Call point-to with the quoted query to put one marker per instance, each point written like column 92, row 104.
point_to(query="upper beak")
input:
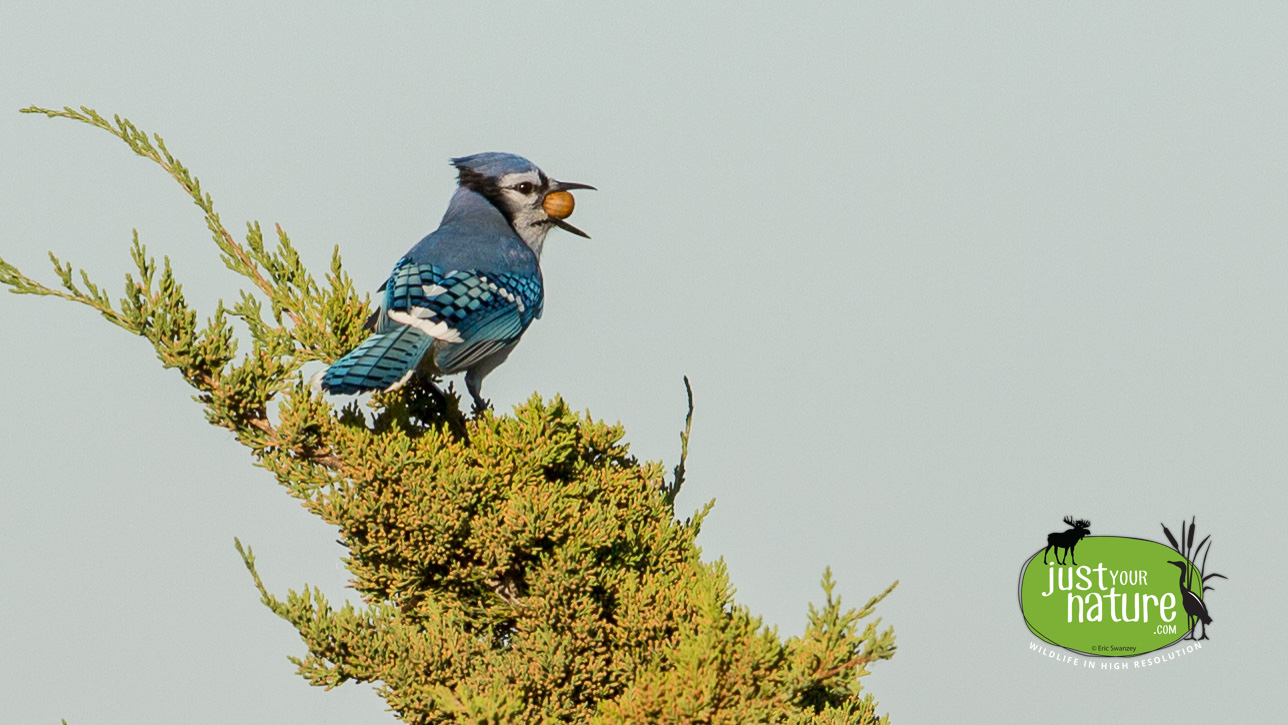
column 568, row 186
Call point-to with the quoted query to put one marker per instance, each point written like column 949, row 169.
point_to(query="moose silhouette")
column 1066, row 540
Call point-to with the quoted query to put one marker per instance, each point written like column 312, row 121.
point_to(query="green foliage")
column 512, row 568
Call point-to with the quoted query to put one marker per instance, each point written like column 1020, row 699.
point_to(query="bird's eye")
column 526, row 187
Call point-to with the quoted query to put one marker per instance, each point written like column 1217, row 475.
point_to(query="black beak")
column 569, row 186
column 568, row 227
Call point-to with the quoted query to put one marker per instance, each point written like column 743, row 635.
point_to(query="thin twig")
column 674, row 489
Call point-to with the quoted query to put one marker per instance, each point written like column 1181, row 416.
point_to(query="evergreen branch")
column 857, row 661
column 154, row 307
column 235, row 256
column 832, row 647
column 870, row 607
column 248, row 558
column 20, row 284
column 678, row 480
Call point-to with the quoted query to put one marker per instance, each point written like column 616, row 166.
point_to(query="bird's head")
column 531, row 201
column 1182, row 565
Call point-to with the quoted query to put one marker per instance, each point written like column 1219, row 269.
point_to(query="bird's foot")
column 479, row 406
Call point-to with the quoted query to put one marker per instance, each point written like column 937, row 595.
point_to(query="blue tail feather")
column 381, row 361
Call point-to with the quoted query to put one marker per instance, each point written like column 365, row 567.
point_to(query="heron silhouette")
column 1195, row 609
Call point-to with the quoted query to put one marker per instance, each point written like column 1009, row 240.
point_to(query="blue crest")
column 494, row 164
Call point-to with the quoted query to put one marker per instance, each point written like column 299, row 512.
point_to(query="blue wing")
column 463, row 315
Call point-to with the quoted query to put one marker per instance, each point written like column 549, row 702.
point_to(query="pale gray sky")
column 941, row 274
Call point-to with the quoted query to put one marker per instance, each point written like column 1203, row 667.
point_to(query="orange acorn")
column 558, row 204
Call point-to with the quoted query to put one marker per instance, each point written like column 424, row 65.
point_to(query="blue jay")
column 462, row 297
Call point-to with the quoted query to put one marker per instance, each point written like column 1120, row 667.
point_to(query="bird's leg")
column 474, row 384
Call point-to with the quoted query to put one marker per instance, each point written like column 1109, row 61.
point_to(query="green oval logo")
column 1123, row 598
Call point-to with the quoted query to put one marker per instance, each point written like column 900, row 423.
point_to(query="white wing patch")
column 504, row 293
column 420, row 318
column 433, row 290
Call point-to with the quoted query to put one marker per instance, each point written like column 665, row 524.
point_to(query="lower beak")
column 568, row 227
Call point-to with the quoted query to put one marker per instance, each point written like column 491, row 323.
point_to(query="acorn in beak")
column 558, row 203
